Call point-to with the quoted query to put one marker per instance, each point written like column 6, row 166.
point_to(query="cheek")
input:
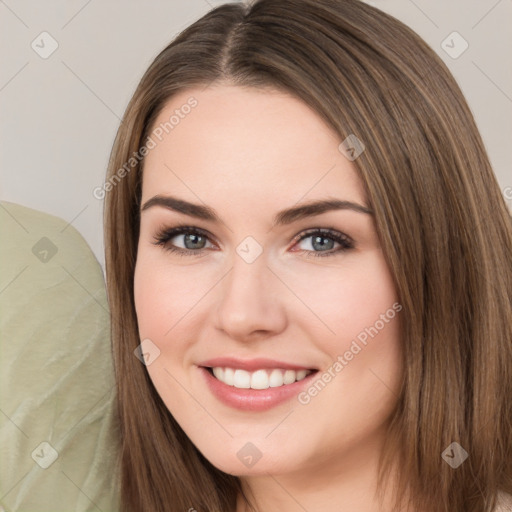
column 149, row 301
column 165, row 295
column 164, row 305
column 349, row 301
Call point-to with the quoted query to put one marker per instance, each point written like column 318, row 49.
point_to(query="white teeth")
column 289, row 376
column 276, row 379
column 219, row 373
column 301, row 374
column 242, row 379
column 259, row 379
column 229, row 376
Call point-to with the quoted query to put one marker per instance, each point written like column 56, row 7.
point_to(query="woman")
column 308, row 251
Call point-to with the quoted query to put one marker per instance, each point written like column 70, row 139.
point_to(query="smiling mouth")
column 259, row 379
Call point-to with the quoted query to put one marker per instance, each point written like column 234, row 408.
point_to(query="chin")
column 242, row 458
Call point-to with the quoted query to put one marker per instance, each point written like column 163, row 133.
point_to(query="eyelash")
column 164, row 235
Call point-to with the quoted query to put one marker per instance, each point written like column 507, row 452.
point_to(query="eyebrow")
column 283, row 217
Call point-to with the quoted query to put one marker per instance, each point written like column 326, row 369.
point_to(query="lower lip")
column 253, row 399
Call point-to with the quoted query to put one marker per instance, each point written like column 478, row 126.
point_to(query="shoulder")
column 504, row 502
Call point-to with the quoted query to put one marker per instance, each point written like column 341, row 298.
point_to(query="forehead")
column 260, row 147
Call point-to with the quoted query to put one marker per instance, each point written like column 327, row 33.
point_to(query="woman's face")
column 244, row 294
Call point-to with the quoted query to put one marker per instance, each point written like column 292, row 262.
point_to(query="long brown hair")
column 442, row 221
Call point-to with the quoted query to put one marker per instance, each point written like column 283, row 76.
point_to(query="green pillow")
column 58, row 428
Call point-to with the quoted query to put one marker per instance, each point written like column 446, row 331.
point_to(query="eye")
column 324, row 240
column 194, row 241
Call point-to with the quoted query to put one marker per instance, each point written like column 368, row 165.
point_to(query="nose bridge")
column 247, row 283
column 249, row 269
column 246, row 280
column 249, row 296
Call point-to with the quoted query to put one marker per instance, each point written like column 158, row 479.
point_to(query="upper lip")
column 252, row 364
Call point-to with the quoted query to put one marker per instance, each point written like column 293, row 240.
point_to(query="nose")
column 250, row 301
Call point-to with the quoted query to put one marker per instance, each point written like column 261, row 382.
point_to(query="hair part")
column 442, row 222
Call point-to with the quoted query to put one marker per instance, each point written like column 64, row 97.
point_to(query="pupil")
column 322, row 246
column 194, row 239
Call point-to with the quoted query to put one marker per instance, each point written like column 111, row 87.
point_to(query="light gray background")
column 60, row 114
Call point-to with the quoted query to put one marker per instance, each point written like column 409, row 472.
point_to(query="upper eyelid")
column 325, row 231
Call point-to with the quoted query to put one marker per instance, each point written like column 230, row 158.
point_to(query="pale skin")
column 249, row 154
